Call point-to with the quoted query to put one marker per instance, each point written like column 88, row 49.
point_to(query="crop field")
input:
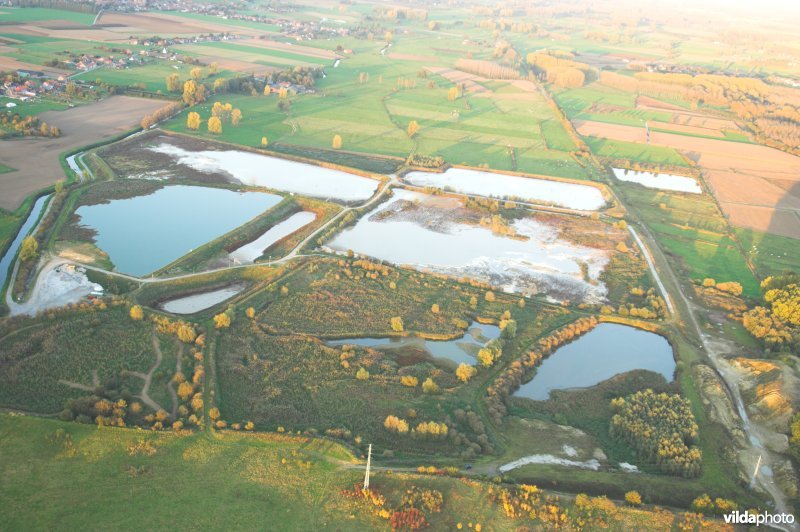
column 694, row 232
column 361, row 102
column 755, row 185
column 36, row 160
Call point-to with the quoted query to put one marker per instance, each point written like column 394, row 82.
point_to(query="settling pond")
column 538, row 261
column 491, row 184
column 677, row 183
column 607, row 350
column 145, row 233
column 197, row 302
column 275, row 173
column 461, row 350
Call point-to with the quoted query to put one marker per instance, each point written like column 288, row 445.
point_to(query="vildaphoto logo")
column 748, row 518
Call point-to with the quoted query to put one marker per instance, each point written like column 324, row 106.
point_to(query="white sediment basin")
column 490, row 184
column 536, row 261
column 252, row 250
column 677, row 183
column 275, row 173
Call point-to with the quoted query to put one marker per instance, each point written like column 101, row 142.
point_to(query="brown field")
column 757, row 187
column 118, row 27
column 36, row 159
column 693, row 130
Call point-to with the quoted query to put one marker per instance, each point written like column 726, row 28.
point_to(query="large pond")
column 461, row 350
column 607, row 350
column 197, row 302
column 481, row 183
column 416, row 229
column 144, row 233
column 278, row 174
column 677, row 183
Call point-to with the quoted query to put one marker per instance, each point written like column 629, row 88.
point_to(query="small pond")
column 607, row 350
column 460, row 350
column 145, row 233
column 197, row 302
column 677, row 183
column 252, row 250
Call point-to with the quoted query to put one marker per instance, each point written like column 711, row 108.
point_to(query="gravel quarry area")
column 59, row 285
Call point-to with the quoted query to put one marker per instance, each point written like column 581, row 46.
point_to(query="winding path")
column 144, row 395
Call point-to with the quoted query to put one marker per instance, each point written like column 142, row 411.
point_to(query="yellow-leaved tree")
column 336, row 144
column 413, row 128
column 193, row 121
column 214, row 125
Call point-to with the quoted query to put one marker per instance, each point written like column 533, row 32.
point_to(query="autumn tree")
column 362, row 374
column 397, row 324
column 250, row 312
column 193, row 92
column 196, row 73
column 236, row 117
column 633, row 498
column 336, row 144
column 452, row 94
column 136, row 313
column 193, row 121
column 409, row 380
column 214, row 125
column 213, row 413
column 465, row 372
column 412, row 129
column 173, row 82
column 429, row 386
column 222, row 320
column 220, row 85
column 185, row 390
column 264, row 142
column 29, row 249
column 395, row 424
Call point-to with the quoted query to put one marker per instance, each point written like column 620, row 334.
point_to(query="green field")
column 694, row 233
column 10, row 15
column 153, row 76
column 635, row 152
column 31, row 107
column 770, row 254
column 253, row 54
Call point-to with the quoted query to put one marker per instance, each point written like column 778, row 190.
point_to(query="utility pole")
column 366, row 475
column 752, row 480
